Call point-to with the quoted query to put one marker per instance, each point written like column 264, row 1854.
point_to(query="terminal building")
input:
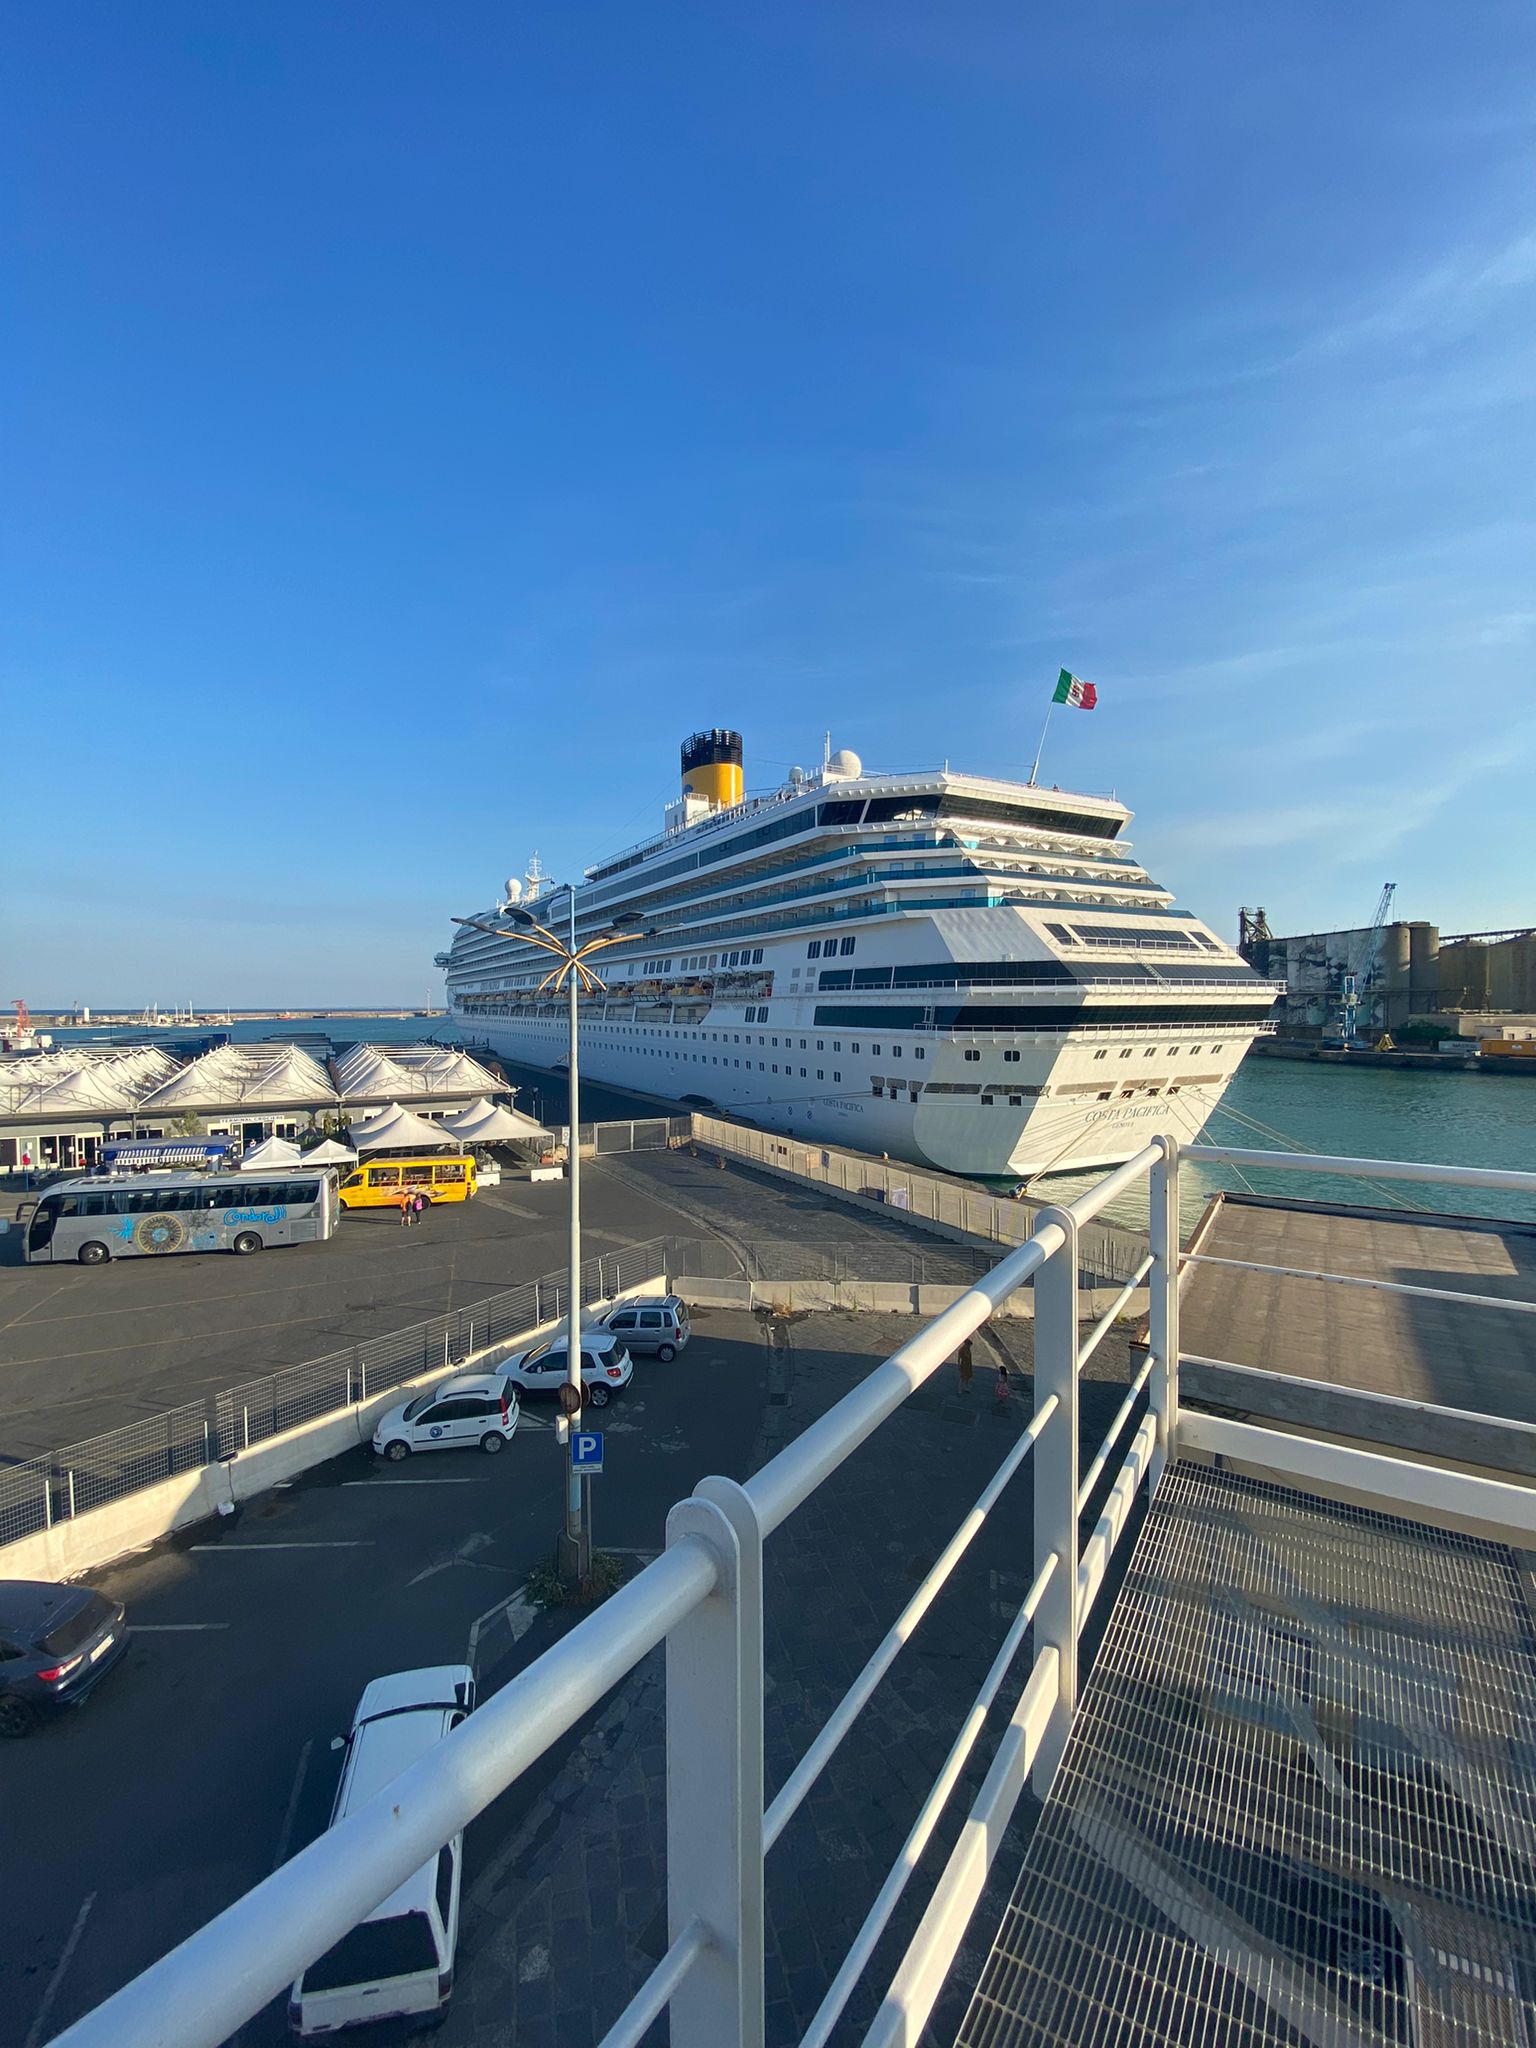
column 58, row 1108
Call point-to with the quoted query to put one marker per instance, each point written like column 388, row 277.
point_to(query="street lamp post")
column 575, row 1549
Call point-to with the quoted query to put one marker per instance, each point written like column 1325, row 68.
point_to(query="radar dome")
column 845, row 765
column 514, row 889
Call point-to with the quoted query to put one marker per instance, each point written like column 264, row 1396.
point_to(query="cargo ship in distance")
column 963, row 972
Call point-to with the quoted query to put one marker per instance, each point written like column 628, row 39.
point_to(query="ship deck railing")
column 1102, row 1881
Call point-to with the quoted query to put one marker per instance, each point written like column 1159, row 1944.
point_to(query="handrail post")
column 1056, row 1618
column 715, row 1776
column 1163, row 1306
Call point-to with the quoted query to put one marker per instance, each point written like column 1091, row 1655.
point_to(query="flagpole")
column 1034, row 771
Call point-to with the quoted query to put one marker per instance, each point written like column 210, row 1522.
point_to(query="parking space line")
column 285, row 1834
column 358, row 1544
column 35, row 2031
column 477, row 1480
column 174, row 1628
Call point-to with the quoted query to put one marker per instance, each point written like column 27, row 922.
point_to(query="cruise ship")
column 963, row 972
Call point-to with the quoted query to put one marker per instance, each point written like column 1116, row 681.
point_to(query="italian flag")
column 1071, row 689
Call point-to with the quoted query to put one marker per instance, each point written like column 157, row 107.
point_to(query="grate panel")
column 1299, row 1800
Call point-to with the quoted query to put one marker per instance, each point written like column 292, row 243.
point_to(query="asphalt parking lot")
column 86, row 1349
column 204, row 1760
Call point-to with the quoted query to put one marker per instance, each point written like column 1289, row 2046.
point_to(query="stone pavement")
column 566, row 1923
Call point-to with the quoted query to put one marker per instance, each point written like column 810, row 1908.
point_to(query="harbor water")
column 1448, row 1119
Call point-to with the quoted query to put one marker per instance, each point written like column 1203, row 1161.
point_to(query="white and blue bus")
column 150, row 1214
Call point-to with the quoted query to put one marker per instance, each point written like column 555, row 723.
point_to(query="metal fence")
column 635, row 1134
column 1106, row 1251
column 48, row 1489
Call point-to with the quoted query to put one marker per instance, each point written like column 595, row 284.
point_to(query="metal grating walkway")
column 1299, row 1800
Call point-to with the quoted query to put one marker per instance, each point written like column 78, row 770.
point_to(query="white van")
column 398, row 1963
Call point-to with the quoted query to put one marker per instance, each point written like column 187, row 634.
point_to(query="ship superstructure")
column 970, row 973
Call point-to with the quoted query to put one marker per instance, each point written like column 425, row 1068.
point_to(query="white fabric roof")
column 327, row 1153
column 410, row 1073
column 84, row 1080
column 486, row 1123
column 234, row 1076
column 270, row 1152
column 396, row 1129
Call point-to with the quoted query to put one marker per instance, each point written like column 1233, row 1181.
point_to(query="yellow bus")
column 381, row 1183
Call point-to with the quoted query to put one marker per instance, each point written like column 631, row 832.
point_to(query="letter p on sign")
column 587, row 1451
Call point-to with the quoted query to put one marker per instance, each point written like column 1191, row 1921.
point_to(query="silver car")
column 657, row 1323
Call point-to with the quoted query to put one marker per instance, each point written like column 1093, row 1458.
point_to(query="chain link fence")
column 41, row 1491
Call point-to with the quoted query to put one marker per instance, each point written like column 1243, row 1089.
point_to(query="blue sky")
column 417, row 420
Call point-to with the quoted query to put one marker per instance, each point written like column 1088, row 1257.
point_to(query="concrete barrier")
column 82, row 1543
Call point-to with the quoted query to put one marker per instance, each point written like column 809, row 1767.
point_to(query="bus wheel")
column 93, row 1255
column 247, row 1241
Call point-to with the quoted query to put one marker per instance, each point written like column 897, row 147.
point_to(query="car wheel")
column 247, row 1241
column 93, row 1255
column 396, row 1449
column 598, row 1395
column 16, row 1717
column 666, row 1353
column 491, row 1443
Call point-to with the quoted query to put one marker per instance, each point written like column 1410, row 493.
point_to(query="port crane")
column 1361, row 971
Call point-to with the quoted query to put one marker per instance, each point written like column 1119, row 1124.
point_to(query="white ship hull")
column 1002, row 1137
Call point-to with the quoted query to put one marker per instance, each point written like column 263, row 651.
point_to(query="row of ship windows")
column 919, row 1052
column 743, row 956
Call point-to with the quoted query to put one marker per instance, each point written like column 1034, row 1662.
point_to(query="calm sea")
column 1454, row 1119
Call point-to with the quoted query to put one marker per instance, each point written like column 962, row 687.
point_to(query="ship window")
column 802, row 1045
column 820, row 1075
column 987, row 1101
column 837, row 1045
column 875, row 1050
column 837, row 1077
column 802, row 1073
column 757, row 955
column 813, row 950
column 1105, row 1094
column 895, row 1052
column 877, row 1086
column 1151, row 1049
column 971, row 1054
column 821, row 1045
column 919, row 1052
column 1127, row 1053
column 848, row 945
column 1101, row 1055
column 775, row 1041
column 1015, row 1102
column 759, row 1066
column 775, row 1066
column 854, row 1046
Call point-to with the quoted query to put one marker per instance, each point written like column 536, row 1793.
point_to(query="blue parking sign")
column 587, row 1450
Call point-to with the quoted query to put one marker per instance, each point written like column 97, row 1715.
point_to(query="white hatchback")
column 606, row 1367
column 469, row 1411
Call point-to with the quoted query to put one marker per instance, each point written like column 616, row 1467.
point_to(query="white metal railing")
column 703, row 1598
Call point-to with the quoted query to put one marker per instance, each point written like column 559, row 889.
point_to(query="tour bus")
column 152, row 1213
column 382, row 1182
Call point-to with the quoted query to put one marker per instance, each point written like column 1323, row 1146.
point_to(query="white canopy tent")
column 400, row 1130
column 486, row 1123
column 328, row 1153
column 271, row 1153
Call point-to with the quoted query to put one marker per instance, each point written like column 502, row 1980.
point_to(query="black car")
column 57, row 1643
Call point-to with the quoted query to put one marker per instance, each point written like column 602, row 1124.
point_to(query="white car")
column 605, row 1367
column 469, row 1411
column 398, row 1962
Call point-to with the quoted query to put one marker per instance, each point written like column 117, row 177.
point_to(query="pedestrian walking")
column 1002, row 1391
column 964, row 1362
column 418, row 1203
column 407, row 1213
